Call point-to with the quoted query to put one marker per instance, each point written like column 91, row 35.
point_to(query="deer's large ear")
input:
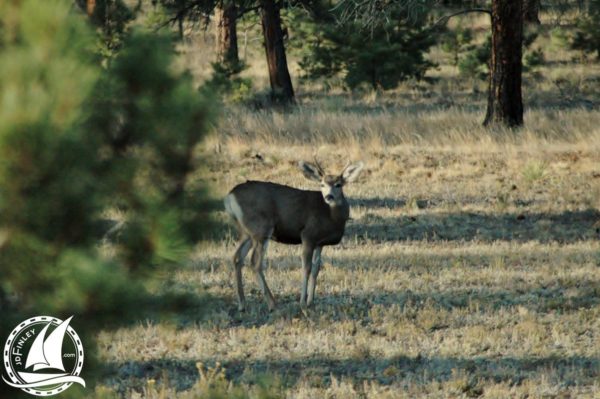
column 310, row 171
column 352, row 171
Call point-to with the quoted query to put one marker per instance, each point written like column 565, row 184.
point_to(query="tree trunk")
column 227, row 43
column 531, row 12
column 505, row 103
column 90, row 5
column 279, row 75
column 180, row 26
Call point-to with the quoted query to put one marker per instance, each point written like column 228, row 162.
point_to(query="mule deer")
column 284, row 214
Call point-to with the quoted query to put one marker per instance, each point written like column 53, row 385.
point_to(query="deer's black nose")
column 329, row 198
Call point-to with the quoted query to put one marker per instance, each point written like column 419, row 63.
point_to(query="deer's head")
column 331, row 185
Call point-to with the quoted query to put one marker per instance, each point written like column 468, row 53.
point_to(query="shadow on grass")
column 182, row 374
column 561, row 297
column 462, row 101
column 562, row 293
column 555, row 293
column 377, row 202
column 350, row 306
column 564, row 227
column 423, row 257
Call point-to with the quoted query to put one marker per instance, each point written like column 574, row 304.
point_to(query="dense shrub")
column 587, row 34
column 380, row 57
column 76, row 141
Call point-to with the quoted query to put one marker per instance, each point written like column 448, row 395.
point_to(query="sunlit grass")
column 469, row 267
column 435, row 290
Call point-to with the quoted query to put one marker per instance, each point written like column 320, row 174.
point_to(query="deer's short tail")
column 232, row 207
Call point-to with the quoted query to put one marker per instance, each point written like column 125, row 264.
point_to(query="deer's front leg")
column 307, row 254
column 314, row 272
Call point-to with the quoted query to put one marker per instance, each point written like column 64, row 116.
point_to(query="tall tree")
column 279, row 75
column 90, row 5
column 84, row 128
column 112, row 18
column 505, row 103
column 587, row 33
column 226, row 14
column 381, row 57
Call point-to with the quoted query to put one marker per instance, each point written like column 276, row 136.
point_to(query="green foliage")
column 470, row 59
column 470, row 66
column 76, row 141
column 381, row 57
column 110, row 18
column 226, row 81
column 559, row 38
column 587, row 34
column 160, row 120
column 45, row 79
column 533, row 59
column 191, row 10
column 533, row 171
column 474, row 63
column 475, row 59
column 456, row 41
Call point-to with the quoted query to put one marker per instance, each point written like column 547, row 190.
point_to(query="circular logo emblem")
column 43, row 356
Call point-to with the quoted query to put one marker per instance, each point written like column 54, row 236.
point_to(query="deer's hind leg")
column 258, row 262
column 238, row 263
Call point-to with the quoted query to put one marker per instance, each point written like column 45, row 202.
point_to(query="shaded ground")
column 449, row 282
column 565, row 227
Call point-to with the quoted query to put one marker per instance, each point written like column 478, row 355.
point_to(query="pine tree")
column 587, row 34
column 77, row 140
column 380, row 57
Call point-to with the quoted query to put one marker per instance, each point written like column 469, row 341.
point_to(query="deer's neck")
column 340, row 213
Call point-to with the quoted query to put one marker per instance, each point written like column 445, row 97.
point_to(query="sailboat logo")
column 43, row 356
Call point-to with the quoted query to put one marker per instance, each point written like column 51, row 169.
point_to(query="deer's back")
column 285, row 210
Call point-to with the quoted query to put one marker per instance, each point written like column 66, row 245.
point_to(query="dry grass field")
column 465, row 271
column 470, row 267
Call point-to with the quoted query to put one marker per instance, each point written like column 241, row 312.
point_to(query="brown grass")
column 469, row 268
column 465, row 271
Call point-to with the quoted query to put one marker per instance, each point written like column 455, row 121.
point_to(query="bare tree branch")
column 375, row 12
column 445, row 18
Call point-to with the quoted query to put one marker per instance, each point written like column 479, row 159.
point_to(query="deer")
column 264, row 211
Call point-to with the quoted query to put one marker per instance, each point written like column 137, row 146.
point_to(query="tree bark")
column 227, row 43
column 90, row 5
column 531, row 12
column 505, row 103
column 180, row 26
column 279, row 75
